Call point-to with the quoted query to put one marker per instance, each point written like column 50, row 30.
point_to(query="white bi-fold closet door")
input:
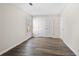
column 42, row 26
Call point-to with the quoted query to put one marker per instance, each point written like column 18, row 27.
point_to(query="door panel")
column 42, row 26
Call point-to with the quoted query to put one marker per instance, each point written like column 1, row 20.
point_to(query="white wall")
column 70, row 34
column 52, row 31
column 56, row 26
column 13, row 27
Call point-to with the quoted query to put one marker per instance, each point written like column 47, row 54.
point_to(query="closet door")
column 42, row 26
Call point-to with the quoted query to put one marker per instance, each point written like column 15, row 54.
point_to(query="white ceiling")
column 43, row 8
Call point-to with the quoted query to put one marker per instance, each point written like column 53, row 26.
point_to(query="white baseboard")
column 4, row 51
column 55, row 36
column 70, row 47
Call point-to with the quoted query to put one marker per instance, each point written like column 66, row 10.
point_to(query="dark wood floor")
column 41, row 47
